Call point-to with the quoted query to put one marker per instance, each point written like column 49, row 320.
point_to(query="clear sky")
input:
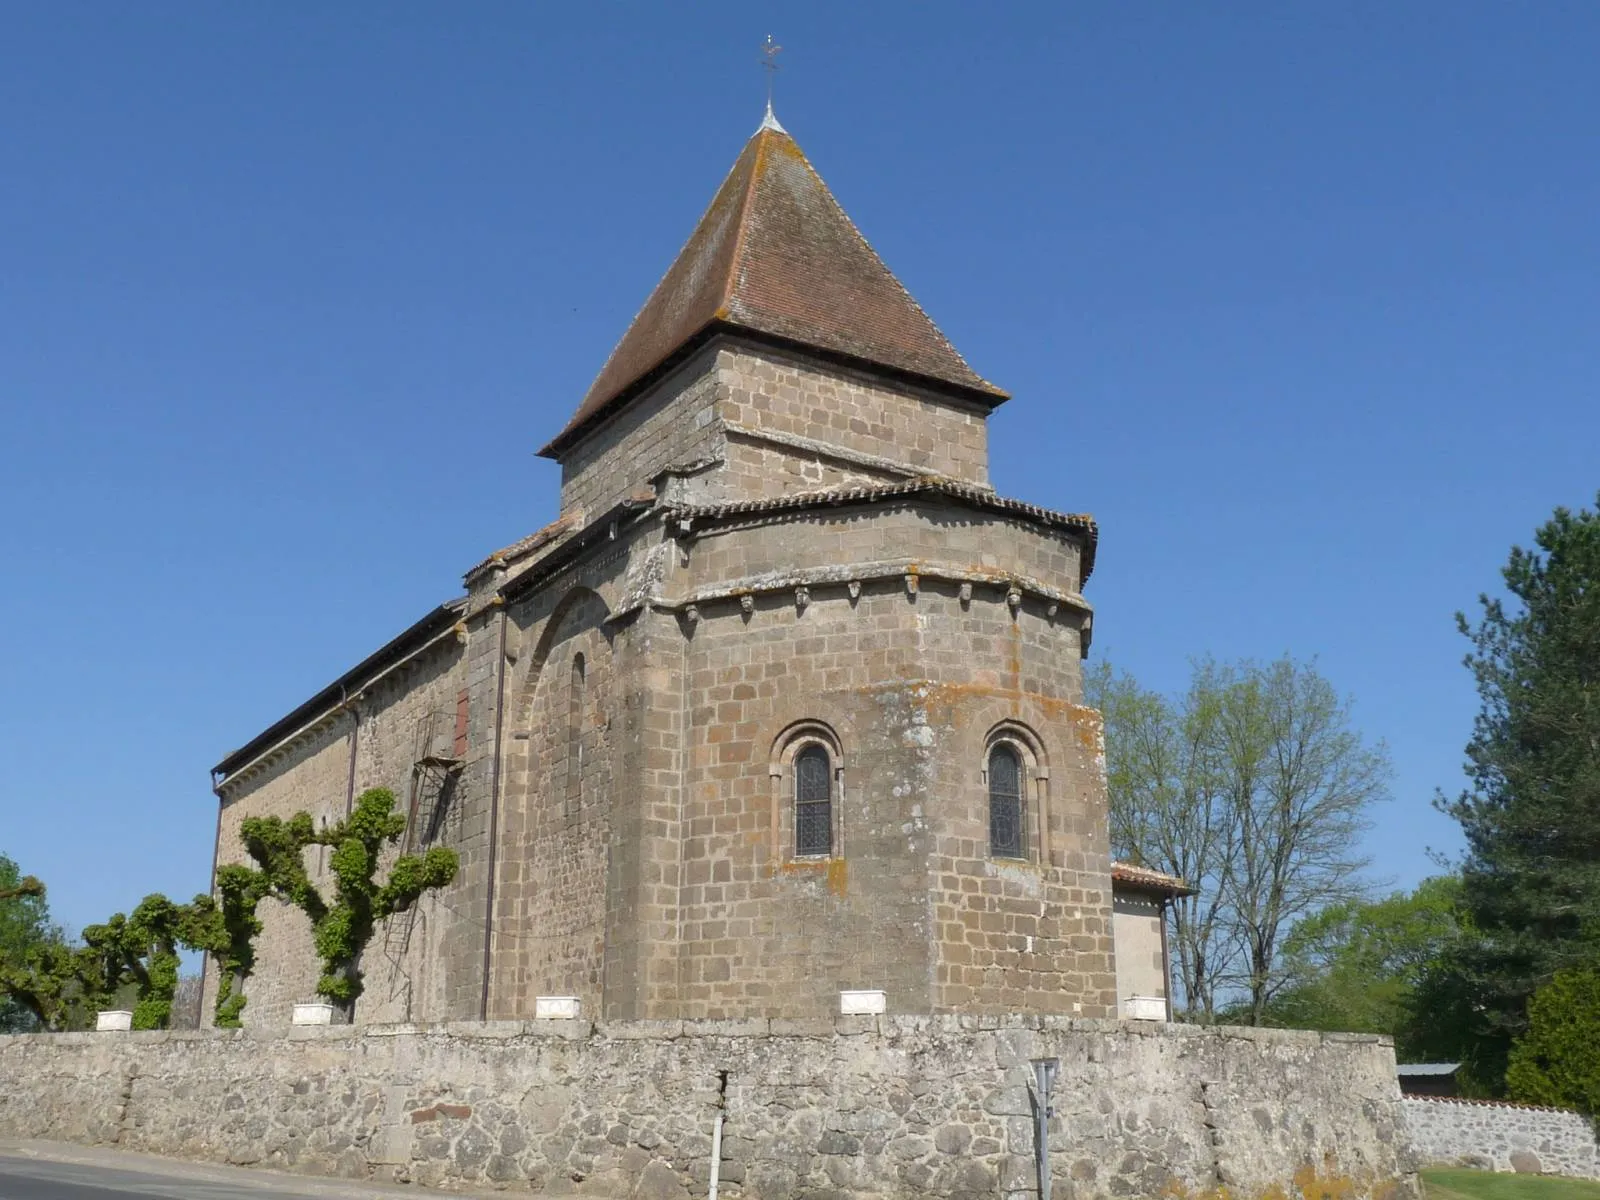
column 1300, row 300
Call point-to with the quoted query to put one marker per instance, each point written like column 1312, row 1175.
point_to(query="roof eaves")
column 1148, row 880
column 350, row 682
column 977, row 497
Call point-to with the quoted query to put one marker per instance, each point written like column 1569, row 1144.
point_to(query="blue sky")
column 1299, row 300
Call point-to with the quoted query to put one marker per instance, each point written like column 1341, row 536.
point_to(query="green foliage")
column 38, row 970
column 226, row 927
column 342, row 927
column 1532, row 814
column 1254, row 787
column 1467, row 1184
column 1557, row 1061
column 1356, row 965
column 141, row 951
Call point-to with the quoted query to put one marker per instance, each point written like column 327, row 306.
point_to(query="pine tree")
column 1532, row 814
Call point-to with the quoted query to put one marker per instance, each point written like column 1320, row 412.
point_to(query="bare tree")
column 1252, row 787
column 1168, row 812
column 1302, row 784
column 186, row 1003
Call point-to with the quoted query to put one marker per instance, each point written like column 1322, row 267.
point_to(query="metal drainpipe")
column 716, row 1137
column 1044, row 1074
column 494, row 814
column 355, row 744
column 1166, row 958
column 211, row 886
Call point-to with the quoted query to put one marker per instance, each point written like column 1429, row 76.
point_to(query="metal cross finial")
column 769, row 63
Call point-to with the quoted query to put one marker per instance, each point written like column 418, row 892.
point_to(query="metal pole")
column 1044, row 1074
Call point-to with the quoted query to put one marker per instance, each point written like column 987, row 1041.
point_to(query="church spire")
column 775, row 258
column 769, row 64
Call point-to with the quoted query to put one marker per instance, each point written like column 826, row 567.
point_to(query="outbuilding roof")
column 1146, row 880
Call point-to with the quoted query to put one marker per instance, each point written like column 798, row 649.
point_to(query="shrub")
column 1557, row 1062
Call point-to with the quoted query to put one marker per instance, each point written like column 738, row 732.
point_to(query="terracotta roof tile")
column 776, row 255
column 527, row 545
column 977, row 497
column 1144, row 877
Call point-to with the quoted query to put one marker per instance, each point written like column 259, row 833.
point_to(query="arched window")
column 1005, row 802
column 813, row 801
column 575, row 706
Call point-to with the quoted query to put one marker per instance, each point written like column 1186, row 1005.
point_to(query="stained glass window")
column 813, row 801
column 1005, row 803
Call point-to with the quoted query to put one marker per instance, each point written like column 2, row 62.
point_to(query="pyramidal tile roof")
column 774, row 254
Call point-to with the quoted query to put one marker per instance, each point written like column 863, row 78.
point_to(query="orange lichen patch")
column 1308, row 1184
column 805, row 866
column 838, row 876
column 835, row 872
column 952, row 695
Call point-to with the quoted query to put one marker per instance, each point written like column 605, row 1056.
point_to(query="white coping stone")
column 113, row 1020
column 862, row 1004
column 313, row 1014
column 1144, row 1008
column 551, row 1008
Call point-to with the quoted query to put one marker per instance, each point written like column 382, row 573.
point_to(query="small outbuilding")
column 1428, row 1079
column 1140, row 897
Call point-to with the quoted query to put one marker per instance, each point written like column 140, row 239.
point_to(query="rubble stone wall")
column 1491, row 1136
column 847, row 1107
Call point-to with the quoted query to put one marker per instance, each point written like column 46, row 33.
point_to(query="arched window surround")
column 805, row 740
column 1031, row 840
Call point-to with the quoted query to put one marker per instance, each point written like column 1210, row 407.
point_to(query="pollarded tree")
column 342, row 927
column 226, row 927
column 142, row 948
column 1532, row 814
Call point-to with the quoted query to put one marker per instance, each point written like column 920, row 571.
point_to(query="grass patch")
column 1442, row 1184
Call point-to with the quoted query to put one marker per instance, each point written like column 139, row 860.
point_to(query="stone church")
column 785, row 702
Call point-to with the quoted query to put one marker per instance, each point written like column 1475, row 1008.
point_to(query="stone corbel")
column 1014, row 599
column 802, row 597
column 854, row 588
column 911, row 586
column 964, row 594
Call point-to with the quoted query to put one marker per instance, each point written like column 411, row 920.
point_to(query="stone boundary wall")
column 1494, row 1136
column 849, row 1108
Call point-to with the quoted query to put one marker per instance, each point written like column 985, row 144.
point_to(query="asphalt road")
column 40, row 1172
